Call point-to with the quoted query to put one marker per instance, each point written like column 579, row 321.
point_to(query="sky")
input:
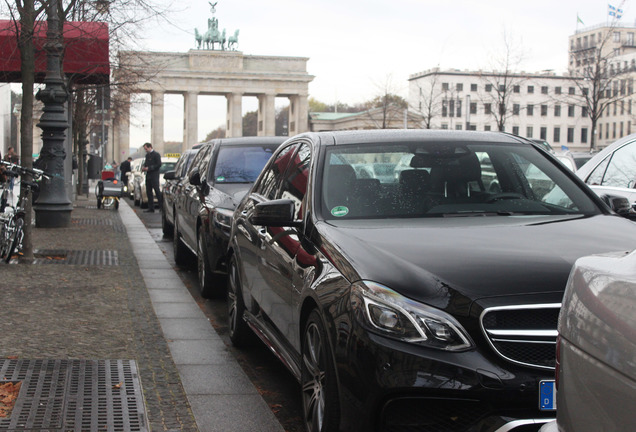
column 358, row 48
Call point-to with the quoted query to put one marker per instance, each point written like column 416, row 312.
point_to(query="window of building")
column 516, row 108
column 444, row 108
column 600, row 131
column 629, row 106
column 502, row 88
column 529, row 131
column 621, row 132
column 451, row 107
column 557, row 110
column 556, row 135
column 584, row 91
column 606, row 130
column 570, row 135
column 488, row 87
column 473, row 107
column 487, row 127
column 583, row 135
column 614, row 130
column 557, row 90
column 617, row 52
column 615, row 105
column 458, row 126
column 584, row 111
column 530, row 109
column 629, row 128
column 622, row 107
column 487, row 108
column 543, row 133
column 444, row 126
column 515, row 130
column 544, row 110
column 530, row 89
column 516, row 89
column 459, row 108
column 571, row 91
column 459, row 87
column 445, row 87
column 544, row 90
column 473, row 87
column 630, row 39
column 570, row 110
column 617, row 36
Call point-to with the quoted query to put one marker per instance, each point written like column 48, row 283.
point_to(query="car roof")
column 258, row 140
column 410, row 135
column 586, row 169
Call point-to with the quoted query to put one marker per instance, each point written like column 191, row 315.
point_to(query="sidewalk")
column 104, row 336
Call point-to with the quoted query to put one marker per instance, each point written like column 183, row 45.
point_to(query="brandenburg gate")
column 210, row 72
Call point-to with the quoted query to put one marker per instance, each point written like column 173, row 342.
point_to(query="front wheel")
column 15, row 238
column 179, row 250
column 321, row 411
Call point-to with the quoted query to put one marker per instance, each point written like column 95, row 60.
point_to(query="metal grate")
column 77, row 257
column 75, row 395
column 117, row 227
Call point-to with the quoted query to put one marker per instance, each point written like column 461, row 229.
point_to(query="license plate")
column 547, row 395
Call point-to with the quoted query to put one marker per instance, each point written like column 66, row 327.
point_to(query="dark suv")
column 426, row 303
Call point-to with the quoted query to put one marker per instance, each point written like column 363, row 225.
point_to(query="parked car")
column 221, row 173
column 171, row 184
column 141, row 195
column 612, row 171
column 596, row 373
column 428, row 303
column 135, row 172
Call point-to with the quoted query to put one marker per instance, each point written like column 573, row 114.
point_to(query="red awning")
column 85, row 52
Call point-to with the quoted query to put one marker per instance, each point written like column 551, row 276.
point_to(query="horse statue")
column 232, row 41
column 198, row 37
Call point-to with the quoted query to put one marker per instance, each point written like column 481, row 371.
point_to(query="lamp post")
column 53, row 208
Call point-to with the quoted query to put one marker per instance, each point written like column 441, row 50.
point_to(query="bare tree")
column 600, row 82
column 429, row 101
column 500, row 84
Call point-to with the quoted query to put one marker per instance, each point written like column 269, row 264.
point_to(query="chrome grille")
column 523, row 334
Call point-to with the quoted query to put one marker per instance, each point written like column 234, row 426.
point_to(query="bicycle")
column 12, row 217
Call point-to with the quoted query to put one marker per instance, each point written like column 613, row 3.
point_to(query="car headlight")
column 390, row 314
column 223, row 217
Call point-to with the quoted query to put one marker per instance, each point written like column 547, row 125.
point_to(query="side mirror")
column 276, row 213
column 620, row 205
column 195, row 177
column 170, row 175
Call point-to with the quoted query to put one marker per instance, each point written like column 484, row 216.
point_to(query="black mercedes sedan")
column 221, row 173
column 170, row 189
column 421, row 301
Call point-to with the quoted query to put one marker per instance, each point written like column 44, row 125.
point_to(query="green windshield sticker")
column 339, row 211
column 220, row 179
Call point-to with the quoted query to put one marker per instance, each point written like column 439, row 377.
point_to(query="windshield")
column 241, row 164
column 167, row 166
column 446, row 179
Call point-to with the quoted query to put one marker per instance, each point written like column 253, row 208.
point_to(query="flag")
column 614, row 12
column 579, row 20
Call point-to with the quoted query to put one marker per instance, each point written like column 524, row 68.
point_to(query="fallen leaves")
column 117, row 386
column 8, row 394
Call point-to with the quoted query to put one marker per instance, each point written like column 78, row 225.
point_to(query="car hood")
column 227, row 195
column 432, row 260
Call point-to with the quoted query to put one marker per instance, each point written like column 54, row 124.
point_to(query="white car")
column 596, row 372
column 612, row 171
column 141, row 197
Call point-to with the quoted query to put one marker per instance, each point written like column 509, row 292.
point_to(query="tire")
column 166, row 227
column 208, row 282
column 239, row 332
column 321, row 408
column 15, row 239
column 179, row 250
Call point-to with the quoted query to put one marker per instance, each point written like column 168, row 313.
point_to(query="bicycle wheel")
column 15, row 239
column 5, row 234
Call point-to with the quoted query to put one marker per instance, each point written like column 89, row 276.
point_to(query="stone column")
column 190, row 120
column 266, row 115
column 298, row 111
column 234, row 126
column 122, row 124
column 156, row 121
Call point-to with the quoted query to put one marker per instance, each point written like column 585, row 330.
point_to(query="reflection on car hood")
column 227, row 195
column 475, row 257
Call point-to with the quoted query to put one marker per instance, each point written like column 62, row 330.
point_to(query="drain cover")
column 75, row 395
column 77, row 257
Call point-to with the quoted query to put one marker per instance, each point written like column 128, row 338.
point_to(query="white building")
column 535, row 105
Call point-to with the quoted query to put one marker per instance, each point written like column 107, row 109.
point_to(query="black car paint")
column 460, row 266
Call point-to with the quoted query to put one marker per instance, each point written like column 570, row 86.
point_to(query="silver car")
column 596, row 371
column 613, row 170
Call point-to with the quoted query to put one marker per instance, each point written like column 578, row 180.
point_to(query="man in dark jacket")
column 151, row 167
column 124, row 169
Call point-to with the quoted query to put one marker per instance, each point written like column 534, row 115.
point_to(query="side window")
column 205, row 151
column 295, row 181
column 596, row 176
column 621, row 170
column 269, row 182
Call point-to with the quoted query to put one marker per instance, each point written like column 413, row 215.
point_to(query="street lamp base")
column 52, row 216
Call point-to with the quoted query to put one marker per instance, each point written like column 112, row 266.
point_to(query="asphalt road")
column 275, row 383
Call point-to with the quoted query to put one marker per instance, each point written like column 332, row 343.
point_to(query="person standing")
column 14, row 159
column 151, row 168
column 124, row 169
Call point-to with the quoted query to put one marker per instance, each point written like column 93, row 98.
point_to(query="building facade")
column 613, row 49
column 534, row 105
